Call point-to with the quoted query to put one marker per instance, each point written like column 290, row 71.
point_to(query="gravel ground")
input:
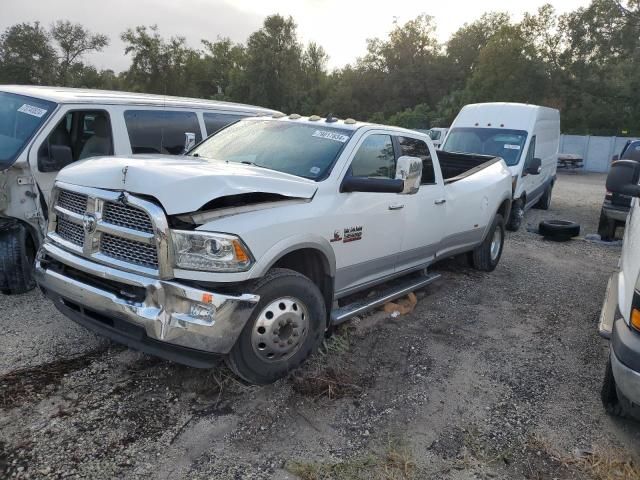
column 491, row 376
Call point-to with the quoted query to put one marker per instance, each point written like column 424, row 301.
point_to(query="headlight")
column 210, row 252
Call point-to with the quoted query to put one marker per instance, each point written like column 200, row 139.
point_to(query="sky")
column 340, row 26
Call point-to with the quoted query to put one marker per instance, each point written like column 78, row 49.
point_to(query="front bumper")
column 148, row 314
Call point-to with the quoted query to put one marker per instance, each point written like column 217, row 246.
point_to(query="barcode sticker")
column 512, row 147
column 330, row 136
column 31, row 110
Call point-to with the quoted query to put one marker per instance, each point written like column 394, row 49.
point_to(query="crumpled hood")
column 183, row 184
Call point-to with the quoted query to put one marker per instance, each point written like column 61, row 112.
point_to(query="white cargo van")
column 437, row 136
column 43, row 129
column 527, row 137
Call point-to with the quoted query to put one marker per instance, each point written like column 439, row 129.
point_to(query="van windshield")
column 497, row 142
column 305, row 149
column 20, row 118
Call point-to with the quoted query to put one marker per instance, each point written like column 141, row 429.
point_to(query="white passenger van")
column 527, row 137
column 43, row 129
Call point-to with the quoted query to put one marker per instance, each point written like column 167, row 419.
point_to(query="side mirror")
column 534, row 167
column 189, row 141
column 623, row 178
column 409, row 170
column 55, row 158
column 372, row 185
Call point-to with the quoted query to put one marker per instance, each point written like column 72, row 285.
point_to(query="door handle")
column 396, row 206
column 440, row 201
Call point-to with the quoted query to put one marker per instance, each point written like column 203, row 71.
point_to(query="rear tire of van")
column 17, row 257
column 285, row 328
column 516, row 216
column 487, row 255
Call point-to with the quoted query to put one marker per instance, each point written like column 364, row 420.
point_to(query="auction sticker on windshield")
column 512, row 147
column 330, row 136
column 31, row 110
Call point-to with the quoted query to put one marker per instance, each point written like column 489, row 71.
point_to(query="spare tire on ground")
column 559, row 230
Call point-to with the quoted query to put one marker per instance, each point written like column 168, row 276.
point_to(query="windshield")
column 20, row 118
column 304, row 149
column 435, row 134
column 497, row 142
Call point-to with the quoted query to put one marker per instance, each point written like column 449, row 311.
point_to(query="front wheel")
column 545, row 201
column 285, row 328
column 516, row 216
column 487, row 255
column 17, row 252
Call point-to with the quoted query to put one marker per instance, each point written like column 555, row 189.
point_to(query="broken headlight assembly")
column 210, row 252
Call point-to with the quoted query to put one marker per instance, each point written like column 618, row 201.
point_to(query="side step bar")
column 340, row 315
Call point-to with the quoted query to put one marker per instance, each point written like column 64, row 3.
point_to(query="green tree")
column 27, row 56
column 73, row 42
column 223, row 61
column 273, row 71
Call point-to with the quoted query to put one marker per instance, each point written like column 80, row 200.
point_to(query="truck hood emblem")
column 89, row 223
column 124, row 174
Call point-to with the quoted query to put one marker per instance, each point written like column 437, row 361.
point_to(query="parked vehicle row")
column 43, row 129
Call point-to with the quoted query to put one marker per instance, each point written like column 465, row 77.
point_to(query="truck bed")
column 456, row 166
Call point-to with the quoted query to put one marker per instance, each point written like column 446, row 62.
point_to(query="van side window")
column 531, row 153
column 417, row 148
column 78, row 135
column 215, row 121
column 375, row 158
column 157, row 131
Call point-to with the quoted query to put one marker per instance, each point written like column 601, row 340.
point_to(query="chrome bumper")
column 164, row 309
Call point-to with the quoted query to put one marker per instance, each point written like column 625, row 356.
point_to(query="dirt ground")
column 491, row 376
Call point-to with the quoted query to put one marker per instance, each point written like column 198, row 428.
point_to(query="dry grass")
column 396, row 463
column 604, row 465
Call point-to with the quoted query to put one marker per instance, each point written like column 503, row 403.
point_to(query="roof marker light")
column 314, row 118
column 350, row 121
column 278, row 115
column 294, row 116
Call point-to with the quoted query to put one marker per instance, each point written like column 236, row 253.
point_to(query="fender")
column 290, row 244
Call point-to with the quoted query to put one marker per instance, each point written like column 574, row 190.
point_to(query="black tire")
column 545, row 201
column 609, row 394
column 17, row 256
column 243, row 359
column 482, row 257
column 558, row 230
column 516, row 216
column 607, row 227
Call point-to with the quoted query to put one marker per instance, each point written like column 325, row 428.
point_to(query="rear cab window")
column 160, row 131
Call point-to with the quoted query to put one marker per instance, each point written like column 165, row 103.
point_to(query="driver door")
column 368, row 227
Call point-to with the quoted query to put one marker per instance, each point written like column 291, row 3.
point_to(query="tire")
column 516, row 216
column 609, row 393
column 545, row 201
column 607, row 227
column 558, row 230
column 17, row 257
column 487, row 255
column 304, row 315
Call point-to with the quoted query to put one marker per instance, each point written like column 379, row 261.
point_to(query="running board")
column 340, row 315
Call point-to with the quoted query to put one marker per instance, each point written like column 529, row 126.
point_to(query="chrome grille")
column 75, row 202
column 129, row 251
column 127, row 216
column 70, row 231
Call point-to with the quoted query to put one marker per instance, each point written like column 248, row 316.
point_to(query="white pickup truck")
column 244, row 247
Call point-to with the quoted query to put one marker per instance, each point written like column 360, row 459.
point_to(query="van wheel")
column 17, row 257
column 609, row 393
column 516, row 215
column 284, row 329
column 607, row 227
column 486, row 256
column 545, row 201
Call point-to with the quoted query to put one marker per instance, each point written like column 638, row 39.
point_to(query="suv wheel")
column 285, row 328
column 17, row 251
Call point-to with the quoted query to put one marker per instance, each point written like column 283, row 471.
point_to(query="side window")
column 531, row 153
column 375, row 158
column 78, row 135
column 417, row 148
column 157, row 131
column 215, row 121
